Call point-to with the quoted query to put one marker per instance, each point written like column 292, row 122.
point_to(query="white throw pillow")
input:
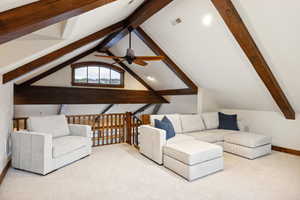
column 174, row 118
column 191, row 123
column 211, row 120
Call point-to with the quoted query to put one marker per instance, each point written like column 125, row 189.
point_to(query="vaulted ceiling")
column 202, row 45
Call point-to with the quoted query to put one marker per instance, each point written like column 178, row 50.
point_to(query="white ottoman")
column 247, row 145
column 193, row 159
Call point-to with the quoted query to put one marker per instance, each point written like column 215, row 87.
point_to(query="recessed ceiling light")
column 150, row 78
column 207, row 20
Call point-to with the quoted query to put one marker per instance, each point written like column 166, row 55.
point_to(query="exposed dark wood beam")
column 177, row 92
column 61, row 95
column 26, row 19
column 168, row 61
column 156, row 109
column 107, row 109
column 145, row 11
column 239, row 30
column 142, row 109
column 138, row 17
column 58, row 67
column 112, row 39
column 60, row 52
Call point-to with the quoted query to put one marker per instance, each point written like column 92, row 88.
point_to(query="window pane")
column 104, row 75
column 81, row 75
column 93, row 75
column 115, row 78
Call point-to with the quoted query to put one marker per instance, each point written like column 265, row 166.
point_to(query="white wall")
column 6, row 116
column 207, row 101
column 285, row 133
column 185, row 104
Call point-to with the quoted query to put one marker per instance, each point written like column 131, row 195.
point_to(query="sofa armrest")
column 32, row 151
column 80, row 130
column 152, row 141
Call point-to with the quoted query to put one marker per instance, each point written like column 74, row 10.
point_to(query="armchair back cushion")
column 174, row 118
column 191, row 123
column 55, row 125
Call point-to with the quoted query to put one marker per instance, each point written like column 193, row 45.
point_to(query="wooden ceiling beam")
column 168, row 61
column 35, row 64
column 239, row 30
column 26, row 19
column 177, row 92
column 57, row 68
column 138, row 17
column 71, row 95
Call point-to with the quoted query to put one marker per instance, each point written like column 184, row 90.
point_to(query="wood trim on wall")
column 239, row 30
column 26, row 19
column 286, row 150
column 4, row 171
column 72, row 95
column 24, row 69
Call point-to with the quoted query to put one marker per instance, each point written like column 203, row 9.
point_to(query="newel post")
column 128, row 128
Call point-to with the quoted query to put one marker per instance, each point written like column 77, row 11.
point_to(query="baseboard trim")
column 4, row 172
column 286, row 150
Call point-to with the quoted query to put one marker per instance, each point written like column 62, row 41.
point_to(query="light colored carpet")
column 120, row 172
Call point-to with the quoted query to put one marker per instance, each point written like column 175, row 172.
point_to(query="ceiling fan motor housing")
column 130, row 56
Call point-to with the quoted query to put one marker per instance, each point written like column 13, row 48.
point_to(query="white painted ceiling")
column 201, row 45
column 30, row 47
column 209, row 54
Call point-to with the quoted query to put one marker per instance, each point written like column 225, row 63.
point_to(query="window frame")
column 99, row 65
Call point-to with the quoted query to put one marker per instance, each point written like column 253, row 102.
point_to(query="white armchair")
column 50, row 143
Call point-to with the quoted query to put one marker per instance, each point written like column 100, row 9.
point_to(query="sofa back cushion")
column 211, row 120
column 56, row 125
column 191, row 123
column 174, row 118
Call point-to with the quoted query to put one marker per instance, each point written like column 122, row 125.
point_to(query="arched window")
column 97, row 74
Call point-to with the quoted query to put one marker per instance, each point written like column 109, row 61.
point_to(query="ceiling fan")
column 131, row 58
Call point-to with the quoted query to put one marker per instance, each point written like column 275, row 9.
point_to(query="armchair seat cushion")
column 67, row 144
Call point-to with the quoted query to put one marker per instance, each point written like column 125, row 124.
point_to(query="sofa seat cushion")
column 211, row 136
column 193, row 152
column 179, row 138
column 67, row 144
column 207, row 137
column 247, row 139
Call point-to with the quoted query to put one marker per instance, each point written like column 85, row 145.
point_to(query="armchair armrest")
column 80, row 130
column 32, row 151
column 152, row 141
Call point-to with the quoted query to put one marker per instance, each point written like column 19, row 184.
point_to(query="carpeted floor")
column 120, row 172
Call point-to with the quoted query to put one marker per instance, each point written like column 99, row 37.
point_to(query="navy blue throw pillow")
column 166, row 125
column 228, row 122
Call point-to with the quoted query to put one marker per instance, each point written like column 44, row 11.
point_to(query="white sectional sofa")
column 196, row 150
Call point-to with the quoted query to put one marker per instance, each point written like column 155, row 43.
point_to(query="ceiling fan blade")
column 150, row 58
column 111, row 57
column 140, row 62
